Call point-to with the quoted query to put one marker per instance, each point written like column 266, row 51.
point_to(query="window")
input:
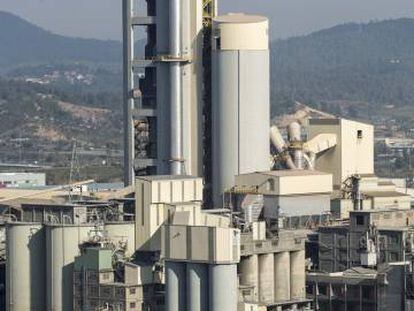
column 132, row 291
column 360, row 220
column 132, row 305
column 359, row 134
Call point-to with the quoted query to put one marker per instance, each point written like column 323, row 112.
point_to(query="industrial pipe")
column 175, row 90
column 277, row 139
column 294, row 132
column 279, row 143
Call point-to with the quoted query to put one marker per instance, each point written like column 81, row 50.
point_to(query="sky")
column 102, row 18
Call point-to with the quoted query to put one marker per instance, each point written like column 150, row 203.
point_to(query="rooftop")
column 290, row 173
column 165, row 177
column 240, row 18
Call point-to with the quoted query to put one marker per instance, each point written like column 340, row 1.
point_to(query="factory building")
column 370, row 238
column 24, row 180
column 40, row 255
column 286, row 193
column 354, row 150
column 361, row 289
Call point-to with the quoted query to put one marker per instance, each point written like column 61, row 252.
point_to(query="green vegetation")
column 355, row 62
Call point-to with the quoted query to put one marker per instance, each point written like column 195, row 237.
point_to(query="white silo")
column 25, row 267
column 240, row 98
column 62, row 246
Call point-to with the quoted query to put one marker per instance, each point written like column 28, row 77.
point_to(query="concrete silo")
column 62, row 246
column 25, row 267
column 240, row 98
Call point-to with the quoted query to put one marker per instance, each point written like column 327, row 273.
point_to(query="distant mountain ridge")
column 24, row 43
column 371, row 62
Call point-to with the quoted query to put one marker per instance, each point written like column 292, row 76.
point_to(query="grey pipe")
column 175, row 89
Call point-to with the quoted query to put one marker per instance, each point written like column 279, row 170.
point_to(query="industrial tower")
column 167, row 112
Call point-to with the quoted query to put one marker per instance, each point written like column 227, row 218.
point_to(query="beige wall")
column 200, row 244
column 287, row 184
column 352, row 155
column 155, row 199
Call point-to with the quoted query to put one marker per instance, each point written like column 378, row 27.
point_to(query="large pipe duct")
column 277, row 139
column 279, row 143
column 176, row 157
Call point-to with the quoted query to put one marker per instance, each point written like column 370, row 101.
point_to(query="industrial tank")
column 240, row 99
column 176, row 286
column 25, row 267
column 222, row 284
column 62, row 246
column 197, row 287
column 121, row 233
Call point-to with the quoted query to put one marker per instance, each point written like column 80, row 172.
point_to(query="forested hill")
column 364, row 62
column 24, row 43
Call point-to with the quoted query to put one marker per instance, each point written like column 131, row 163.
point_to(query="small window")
column 132, row 291
column 359, row 134
column 360, row 220
column 132, row 305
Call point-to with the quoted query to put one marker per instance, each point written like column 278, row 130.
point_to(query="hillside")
column 22, row 43
column 355, row 62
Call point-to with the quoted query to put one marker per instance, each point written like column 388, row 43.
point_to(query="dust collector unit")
column 240, row 89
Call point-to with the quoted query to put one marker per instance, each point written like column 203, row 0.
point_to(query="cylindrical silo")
column 266, row 278
column 197, row 287
column 282, row 276
column 62, row 246
column 175, row 282
column 249, row 274
column 240, row 99
column 25, row 267
column 297, row 275
column 122, row 233
column 222, row 287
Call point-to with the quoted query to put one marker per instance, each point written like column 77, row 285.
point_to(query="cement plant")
column 221, row 210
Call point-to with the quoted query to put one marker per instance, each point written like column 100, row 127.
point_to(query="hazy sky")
column 102, row 18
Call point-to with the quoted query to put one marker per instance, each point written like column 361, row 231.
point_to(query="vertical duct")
column 176, row 160
column 128, row 101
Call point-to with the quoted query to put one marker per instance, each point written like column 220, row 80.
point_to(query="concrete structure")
column 163, row 112
column 353, row 153
column 22, row 180
column 25, row 273
column 96, row 285
column 272, row 271
column 287, row 193
column 241, row 109
column 374, row 194
column 62, row 246
column 386, row 234
column 361, row 289
column 155, row 198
